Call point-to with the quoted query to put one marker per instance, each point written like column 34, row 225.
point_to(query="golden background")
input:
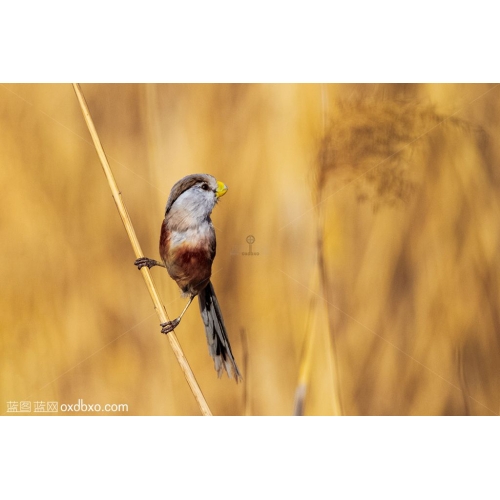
column 376, row 216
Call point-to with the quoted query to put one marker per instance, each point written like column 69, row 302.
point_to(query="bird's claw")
column 169, row 326
column 144, row 261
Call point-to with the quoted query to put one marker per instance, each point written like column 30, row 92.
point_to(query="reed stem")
column 159, row 307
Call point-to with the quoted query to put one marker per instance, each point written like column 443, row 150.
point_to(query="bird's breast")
column 188, row 255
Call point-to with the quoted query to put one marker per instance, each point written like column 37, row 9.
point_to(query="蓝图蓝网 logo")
column 26, row 407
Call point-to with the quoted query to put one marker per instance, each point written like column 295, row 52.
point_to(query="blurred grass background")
column 376, row 215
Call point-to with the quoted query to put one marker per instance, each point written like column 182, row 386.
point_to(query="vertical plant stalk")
column 462, row 379
column 247, row 401
column 337, row 399
column 306, row 360
column 159, row 307
column 320, row 230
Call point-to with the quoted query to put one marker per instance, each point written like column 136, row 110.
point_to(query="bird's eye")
column 204, row 186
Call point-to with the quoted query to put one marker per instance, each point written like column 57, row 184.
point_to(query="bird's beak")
column 221, row 189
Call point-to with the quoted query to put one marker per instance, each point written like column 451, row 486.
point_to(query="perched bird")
column 187, row 250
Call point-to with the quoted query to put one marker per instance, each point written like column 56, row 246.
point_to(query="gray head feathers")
column 186, row 183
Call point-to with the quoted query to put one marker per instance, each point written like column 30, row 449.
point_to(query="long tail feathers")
column 218, row 341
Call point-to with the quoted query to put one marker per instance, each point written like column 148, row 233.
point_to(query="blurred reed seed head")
column 384, row 143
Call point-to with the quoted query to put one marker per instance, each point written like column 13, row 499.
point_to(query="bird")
column 187, row 249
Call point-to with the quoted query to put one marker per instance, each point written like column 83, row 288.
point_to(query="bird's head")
column 193, row 198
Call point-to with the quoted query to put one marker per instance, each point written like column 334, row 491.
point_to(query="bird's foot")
column 170, row 325
column 144, row 261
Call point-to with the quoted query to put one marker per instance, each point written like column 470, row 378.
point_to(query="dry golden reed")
column 159, row 307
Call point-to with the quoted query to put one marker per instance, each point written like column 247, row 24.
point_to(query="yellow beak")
column 221, row 189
